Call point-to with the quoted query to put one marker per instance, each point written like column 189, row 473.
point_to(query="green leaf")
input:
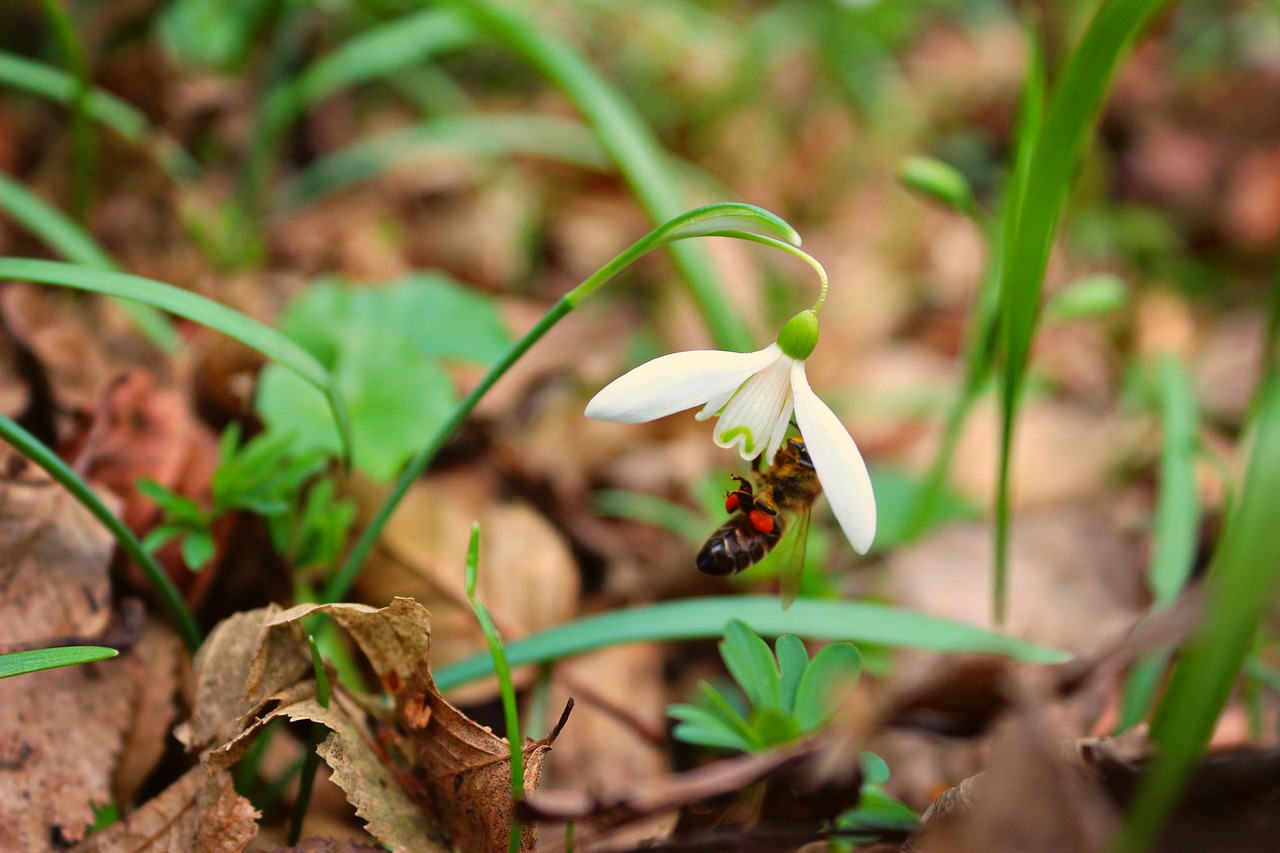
column 21, row 663
column 198, row 549
column 710, row 736
column 68, row 239
column 177, row 508
column 395, row 397
column 212, row 34
column 156, row 539
column 793, row 658
column 707, row 727
column 832, row 670
column 752, row 665
column 728, row 715
column 877, row 810
column 382, row 50
column 874, row 769
column 704, row 618
column 383, row 345
column 1087, row 298
column 937, row 180
column 897, row 496
column 773, row 727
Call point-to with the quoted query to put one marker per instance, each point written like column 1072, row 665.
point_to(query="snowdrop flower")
column 754, row 395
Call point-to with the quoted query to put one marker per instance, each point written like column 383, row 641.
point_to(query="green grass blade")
column 1176, row 529
column 381, row 51
column 1177, row 522
column 21, row 663
column 83, row 154
column 166, row 297
column 50, row 83
column 628, row 141
column 548, row 137
column 311, row 763
column 34, row 450
column 705, row 618
column 72, row 242
column 1069, row 116
column 1240, row 590
column 506, row 687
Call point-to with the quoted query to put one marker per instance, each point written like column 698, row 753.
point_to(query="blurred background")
column 405, row 193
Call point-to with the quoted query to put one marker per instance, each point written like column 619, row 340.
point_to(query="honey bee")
column 780, row 502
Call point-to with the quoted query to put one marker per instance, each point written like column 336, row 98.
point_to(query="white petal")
column 716, row 403
column 840, row 468
column 780, row 431
column 675, row 382
column 750, row 420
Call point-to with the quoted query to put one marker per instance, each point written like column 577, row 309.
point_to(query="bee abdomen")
column 735, row 546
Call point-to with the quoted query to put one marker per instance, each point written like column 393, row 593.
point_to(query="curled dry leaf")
column 422, row 775
column 200, row 813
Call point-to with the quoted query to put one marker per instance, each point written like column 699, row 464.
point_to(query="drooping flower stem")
column 721, row 220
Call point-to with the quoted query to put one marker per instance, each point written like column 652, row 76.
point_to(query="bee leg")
column 740, row 498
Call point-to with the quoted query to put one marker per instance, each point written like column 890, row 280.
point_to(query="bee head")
column 800, row 452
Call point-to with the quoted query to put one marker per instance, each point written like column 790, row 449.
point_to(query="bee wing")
column 790, row 555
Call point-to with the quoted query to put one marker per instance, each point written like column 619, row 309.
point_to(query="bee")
column 780, row 502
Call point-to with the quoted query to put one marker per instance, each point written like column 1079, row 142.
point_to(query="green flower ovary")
column 800, row 335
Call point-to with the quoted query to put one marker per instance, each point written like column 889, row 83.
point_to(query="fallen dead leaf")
column 1075, row 578
column 422, row 775
column 54, row 557
column 325, row 845
column 143, row 430
column 63, row 736
column 200, row 813
column 528, row 577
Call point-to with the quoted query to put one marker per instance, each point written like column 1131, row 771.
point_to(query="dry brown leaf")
column 152, row 709
column 429, row 757
column 222, row 670
column 143, row 430
column 1075, row 578
column 326, row 845
column 54, row 557
column 619, row 709
column 62, row 734
column 200, row 813
column 1031, row 800
column 528, row 577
